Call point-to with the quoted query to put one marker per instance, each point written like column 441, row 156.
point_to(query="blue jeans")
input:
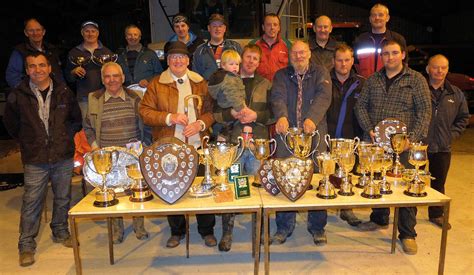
column 249, row 164
column 286, row 221
column 36, row 184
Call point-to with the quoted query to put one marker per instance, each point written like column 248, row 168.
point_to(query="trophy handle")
column 327, row 139
column 284, row 140
column 88, row 160
column 356, row 142
column 204, row 141
column 274, row 148
column 252, row 141
column 241, row 145
column 316, row 132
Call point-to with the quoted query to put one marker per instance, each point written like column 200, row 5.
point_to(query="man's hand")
column 308, row 126
column 179, row 118
column 79, row 72
column 192, row 129
column 247, row 115
column 372, row 136
column 281, row 126
column 143, row 83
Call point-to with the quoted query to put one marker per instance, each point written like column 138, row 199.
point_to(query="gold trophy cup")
column 418, row 157
column 260, row 148
column 140, row 191
column 374, row 163
column 299, row 143
column 398, row 141
column 103, row 163
column 203, row 189
column 326, row 165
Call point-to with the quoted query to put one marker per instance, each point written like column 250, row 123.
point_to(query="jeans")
column 286, row 221
column 36, row 184
column 439, row 166
column 205, row 223
column 249, row 163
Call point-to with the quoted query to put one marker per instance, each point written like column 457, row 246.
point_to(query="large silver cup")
column 103, row 161
column 223, row 154
column 260, row 148
column 299, row 143
column 104, row 58
column 204, row 189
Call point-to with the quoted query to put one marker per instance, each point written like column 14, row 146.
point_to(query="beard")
column 300, row 66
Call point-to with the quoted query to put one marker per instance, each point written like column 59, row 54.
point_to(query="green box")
column 241, row 187
column 234, row 171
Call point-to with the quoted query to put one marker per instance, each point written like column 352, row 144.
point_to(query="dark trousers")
column 205, row 223
column 439, row 166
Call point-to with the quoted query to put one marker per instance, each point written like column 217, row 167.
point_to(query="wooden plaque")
column 266, row 177
column 293, row 176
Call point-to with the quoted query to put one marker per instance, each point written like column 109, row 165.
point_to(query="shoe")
column 27, row 258
column 371, row 226
column 66, row 240
column 409, row 246
column 319, row 238
column 439, row 222
column 210, row 240
column 278, row 238
column 226, row 242
column 348, row 216
column 174, row 241
column 139, row 228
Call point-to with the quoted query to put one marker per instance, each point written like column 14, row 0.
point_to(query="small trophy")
column 384, row 183
column 101, row 59
column 374, row 163
column 339, row 146
column 346, row 161
column 203, row 189
column 327, row 165
column 140, row 191
column 363, row 151
column 103, row 163
column 398, row 141
column 79, row 60
column 418, row 157
column 260, row 148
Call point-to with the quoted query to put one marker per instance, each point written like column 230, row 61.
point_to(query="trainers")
column 66, row 241
column 319, row 238
column 27, row 258
column 439, row 222
column 210, row 240
column 348, row 216
column 409, row 246
column 278, row 238
column 370, row 226
column 226, row 242
column 174, row 241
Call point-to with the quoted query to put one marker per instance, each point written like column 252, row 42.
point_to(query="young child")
column 227, row 88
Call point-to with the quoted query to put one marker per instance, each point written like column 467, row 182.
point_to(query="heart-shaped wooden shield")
column 293, row 176
column 266, row 177
column 169, row 167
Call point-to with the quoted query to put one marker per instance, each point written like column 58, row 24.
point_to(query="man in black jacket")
column 450, row 116
column 43, row 116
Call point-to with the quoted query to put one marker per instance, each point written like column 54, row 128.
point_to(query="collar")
column 139, row 49
column 277, row 40
column 82, row 48
column 36, row 89
column 167, row 78
column 121, row 94
column 248, row 76
column 175, row 78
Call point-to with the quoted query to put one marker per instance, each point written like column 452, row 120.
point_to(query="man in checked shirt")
column 398, row 92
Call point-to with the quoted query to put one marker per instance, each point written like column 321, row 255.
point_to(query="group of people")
column 261, row 90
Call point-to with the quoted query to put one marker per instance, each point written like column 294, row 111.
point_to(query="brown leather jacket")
column 161, row 99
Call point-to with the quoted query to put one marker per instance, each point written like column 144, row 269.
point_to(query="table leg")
column 395, row 228
column 75, row 245
column 257, row 240
column 111, row 243
column 444, row 237
column 253, row 234
column 186, row 217
column 266, row 233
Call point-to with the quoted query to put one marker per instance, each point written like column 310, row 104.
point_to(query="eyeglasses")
column 34, row 30
column 178, row 56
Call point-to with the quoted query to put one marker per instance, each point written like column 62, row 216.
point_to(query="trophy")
column 299, row 143
column 204, row 188
column 293, row 176
column 374, row 163
column 260, row 148
column 418, row 157
column 79, row 60
column 104, row 58
column 384, row 184
column 385, row 129
column 103, row 162
column 326, row 165
column 339, row 146
column 223, row 154
column 140, row 191
column 363, row 151
column 346, row 161
column 398, row 141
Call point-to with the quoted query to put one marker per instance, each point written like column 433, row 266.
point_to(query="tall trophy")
column 339, row 146
column 103, row 162
column 374, row 163
column 363, row 151
column 326, row 165
column 384, row 183
column 204, row 188
column 398, row 141
column 104, row 58
column 260, row 148
column 346, row 161
column 140, row 192
column 418, row 157
column 223, row 155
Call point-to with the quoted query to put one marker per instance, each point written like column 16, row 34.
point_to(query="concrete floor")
column 347, row 252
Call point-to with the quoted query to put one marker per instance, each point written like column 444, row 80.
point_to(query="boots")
column 227, row 226
column 139, row 228
column 117, row 230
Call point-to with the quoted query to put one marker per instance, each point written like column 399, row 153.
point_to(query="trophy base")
column 141, row 195
column 335, row 180
column 386, row 192
column 105, row 198
column 106, row 203
column 199, row 192
column 358, row 185
column 257, row 184
column 371, row 196
column 423, row 194
column 394, row 175
column 326, row 197
column 345, row 193
column 223, row 195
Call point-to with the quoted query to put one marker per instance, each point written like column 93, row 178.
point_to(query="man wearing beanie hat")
column 162, row 108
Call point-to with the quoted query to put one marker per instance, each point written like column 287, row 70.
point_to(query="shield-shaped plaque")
column 293, row 175
column 169, row 167
column 266, row 177
column 385, row 128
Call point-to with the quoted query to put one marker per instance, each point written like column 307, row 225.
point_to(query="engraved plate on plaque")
column 266, row 177
column 293, row 176
column 173, row 168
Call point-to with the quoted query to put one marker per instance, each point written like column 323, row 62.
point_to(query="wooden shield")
column 293, row 176
column 169, row 167
column 266, row 177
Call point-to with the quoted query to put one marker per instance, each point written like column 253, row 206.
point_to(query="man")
column 402, row 93
column 367, row 46
column 112, row 120
column 207, row 57
column 86, row 76
column 162, row 108
column 323, row 46
column 43, row 115
column 183, row 34
column 449, row 119
column 257, row 91
column 34, row 33
column 300, row 97
column 274, row 48
column 342, row 122
column 139, row 64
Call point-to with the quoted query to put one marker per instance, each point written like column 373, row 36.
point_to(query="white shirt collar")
column 184, row 77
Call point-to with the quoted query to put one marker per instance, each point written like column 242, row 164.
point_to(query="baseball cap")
column 90, row 23
column 216, row 17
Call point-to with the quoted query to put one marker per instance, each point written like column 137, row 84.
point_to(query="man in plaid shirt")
column 398, row 92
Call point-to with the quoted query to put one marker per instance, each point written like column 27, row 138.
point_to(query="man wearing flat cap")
column 86, row 75
column 183, row 34
column 162, row 108
column 207, row 57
